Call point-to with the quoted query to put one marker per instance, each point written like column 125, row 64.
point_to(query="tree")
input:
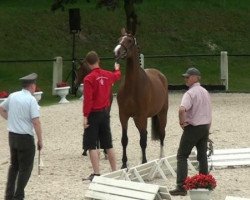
column 131, row 16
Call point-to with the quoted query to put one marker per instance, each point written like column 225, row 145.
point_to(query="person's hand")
column 183, row 124
column 117, row 66
column 85, row 122
column 39, row 145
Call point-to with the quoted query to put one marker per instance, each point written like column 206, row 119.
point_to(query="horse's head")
column 126, row 43
column 81, row 72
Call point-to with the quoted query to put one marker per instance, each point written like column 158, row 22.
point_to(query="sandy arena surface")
column 64, row 166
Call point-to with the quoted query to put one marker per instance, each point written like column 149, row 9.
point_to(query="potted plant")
column 3, row 96
column 38, row 94
column 62, row 90
column 200, row 186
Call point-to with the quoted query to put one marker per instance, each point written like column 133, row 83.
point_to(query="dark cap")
column 31, row 78
column 192, row 71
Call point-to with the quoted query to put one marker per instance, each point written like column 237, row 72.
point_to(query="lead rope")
column 210, row 153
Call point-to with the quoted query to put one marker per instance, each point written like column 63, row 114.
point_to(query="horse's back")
column 155, row 76
column 159, row 87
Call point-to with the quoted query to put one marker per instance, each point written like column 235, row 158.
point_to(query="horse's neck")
column 133, row 70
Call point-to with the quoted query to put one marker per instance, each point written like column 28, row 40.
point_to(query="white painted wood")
column 224, row 69
column 107, row 188
column 57, row 73
column 119, row 174
column 232, row 151
column 229, row 163
column 163, row 192
column 229, row 157
column 235, row 198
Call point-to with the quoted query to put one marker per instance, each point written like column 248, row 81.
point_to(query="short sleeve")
column 35, row 108
column 5, row 104
column 186, row 101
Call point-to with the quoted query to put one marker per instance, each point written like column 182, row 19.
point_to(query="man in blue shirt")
column 21, row 111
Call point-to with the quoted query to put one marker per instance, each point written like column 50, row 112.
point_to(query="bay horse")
column 142, row 94
column 82, row 71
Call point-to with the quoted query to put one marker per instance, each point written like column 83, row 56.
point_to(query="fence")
column 58, row 65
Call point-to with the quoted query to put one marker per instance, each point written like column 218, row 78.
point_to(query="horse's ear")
column 123, row 31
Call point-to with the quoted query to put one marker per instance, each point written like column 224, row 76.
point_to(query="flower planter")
column 200, row 194
column 80, row 89
column 38, row 95
column 2, row 100
column 62, row 92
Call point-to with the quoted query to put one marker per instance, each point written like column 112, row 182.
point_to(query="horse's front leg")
column 124, row 139
column 124, row 142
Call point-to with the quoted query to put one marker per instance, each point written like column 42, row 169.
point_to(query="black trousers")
column 22, row 153
column 98, row 134
column 192, row 136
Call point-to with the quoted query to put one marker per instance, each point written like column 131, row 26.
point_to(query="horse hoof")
column 124, row 166
column 144, row 161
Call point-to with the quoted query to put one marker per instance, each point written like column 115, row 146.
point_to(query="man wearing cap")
column 195, row 118
column 21, row 111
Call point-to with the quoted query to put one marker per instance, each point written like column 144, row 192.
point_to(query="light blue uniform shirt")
column 22, row 107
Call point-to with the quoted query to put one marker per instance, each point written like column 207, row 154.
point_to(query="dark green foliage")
column 30, row 30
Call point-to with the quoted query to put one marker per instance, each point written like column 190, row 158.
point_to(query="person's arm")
column 3, row 113
column 117, row 72
column 182, row 117
column 85, row 122
column 37, row 126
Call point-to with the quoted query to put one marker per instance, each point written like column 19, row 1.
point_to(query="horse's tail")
column 155, row 128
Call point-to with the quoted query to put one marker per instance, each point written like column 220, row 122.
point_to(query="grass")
column 29, row 30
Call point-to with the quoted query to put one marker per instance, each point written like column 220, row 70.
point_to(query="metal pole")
column 39, row 160
column 73, row 67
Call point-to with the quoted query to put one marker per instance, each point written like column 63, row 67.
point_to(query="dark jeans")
column 22, row 152
column 192, row 136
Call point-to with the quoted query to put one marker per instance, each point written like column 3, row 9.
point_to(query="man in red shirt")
column 97, row 90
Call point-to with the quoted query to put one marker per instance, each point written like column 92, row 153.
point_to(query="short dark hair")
column 92, row 57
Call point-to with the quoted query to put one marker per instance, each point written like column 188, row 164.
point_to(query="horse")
column 82, row 71
column 142, row 94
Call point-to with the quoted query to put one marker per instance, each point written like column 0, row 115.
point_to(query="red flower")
column 200, row 181
column 4, row 94
column 62, row 84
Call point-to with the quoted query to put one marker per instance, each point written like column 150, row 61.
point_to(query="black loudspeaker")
column 74, row 20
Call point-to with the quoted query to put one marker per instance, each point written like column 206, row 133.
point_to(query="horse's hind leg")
column 141, row 125
column 162, row 117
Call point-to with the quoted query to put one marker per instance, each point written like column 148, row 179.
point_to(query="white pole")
column 224, row 69
column 142, row 60
column 57, row 72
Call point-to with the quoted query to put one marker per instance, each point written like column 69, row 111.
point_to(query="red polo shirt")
column 97, row 89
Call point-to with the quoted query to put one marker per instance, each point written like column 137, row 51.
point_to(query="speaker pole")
column 75, row 27
column 73, row 75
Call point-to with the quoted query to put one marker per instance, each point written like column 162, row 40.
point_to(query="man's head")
column 192, row 75
column 92, row 58
column 29, row 82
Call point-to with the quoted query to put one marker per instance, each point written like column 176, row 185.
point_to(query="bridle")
column 124, row 46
